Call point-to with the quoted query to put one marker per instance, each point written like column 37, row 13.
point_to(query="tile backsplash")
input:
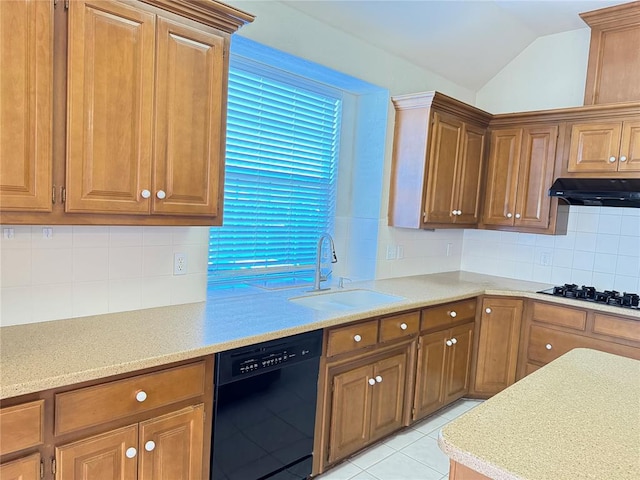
column 89, row 270
column 601, row 248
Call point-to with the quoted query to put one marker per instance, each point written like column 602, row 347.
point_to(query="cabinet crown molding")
column 444, row 104
column 209, row 12
column 616, row 16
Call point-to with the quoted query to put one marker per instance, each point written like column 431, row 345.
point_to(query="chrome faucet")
column 318, row 274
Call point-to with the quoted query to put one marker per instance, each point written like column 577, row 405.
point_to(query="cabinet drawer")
column 352, row 337
column 616, row 327
column 99, row 404
column 21, row 426
column 445, row 315
column 561, row 316
column 399, row 326
column 546, row 345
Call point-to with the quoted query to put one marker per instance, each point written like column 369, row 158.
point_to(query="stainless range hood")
column 601, row 192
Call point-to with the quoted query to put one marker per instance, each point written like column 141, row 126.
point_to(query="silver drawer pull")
column 403, row 326
column 141, row 396
column 357, row 338
column 453, row 314
column 548, row 346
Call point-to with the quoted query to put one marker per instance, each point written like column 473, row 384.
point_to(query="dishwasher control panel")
column 247, row 361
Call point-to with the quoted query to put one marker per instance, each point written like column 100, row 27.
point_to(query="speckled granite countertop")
column 577, row 418
column 46, row 355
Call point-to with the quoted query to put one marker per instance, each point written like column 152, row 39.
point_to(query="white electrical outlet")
column 8, row 233
column 546, row 259
column 179, row 263
column 391, row 252
column 47, row 232
column 449, row 248
column 400, row 252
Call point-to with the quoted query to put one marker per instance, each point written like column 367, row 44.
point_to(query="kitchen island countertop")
column 46, row 355
column 577, row 418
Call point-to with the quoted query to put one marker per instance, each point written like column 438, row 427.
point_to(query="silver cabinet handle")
column 141, row 396
column 161, row 194
column 378, row 379
column 150, row 446
column 145, row 193
column 453, row 314
column 131, row 452
column 612, row 159
column 372, row 381
column 487, row 310
column 403, row 326
column 509, row 215
column 548, row 346
column 623, row 158
column 517, row 215
column 357, row 338
column 454, row 340
column 449, row 343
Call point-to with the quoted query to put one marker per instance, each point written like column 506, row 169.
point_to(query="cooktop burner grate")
column 608, row 297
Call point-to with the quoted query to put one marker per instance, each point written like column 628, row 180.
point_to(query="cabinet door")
column 502, row 177
column 456, row 378
column 498, row 344
column 189, row 137
column 171, row 446
column 27, row 468
column 630, row 147
column 110, row 107
column 594, row 147
column 26, row 47
column 429, row 376
column 387, row 404
column 537, row 162
column 350, row 412
column 470, row 173
column 103, row 457
column 441, row 182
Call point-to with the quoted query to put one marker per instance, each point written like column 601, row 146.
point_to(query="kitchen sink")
column 345, row 300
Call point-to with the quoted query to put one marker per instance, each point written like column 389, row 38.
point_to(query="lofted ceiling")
column 465, row 41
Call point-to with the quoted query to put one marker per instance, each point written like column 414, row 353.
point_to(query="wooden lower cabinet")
column 169, row 447
column 498, row 341
column 27, row 468
column 457, row 471
column 444, row 360
column 366, row 402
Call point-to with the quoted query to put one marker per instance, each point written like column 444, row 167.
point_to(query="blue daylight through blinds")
column 280, row 177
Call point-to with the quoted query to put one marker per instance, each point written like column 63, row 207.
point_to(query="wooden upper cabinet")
column 520, row 173
column 189, row 140
column 110, row 107
column 605, row 147
column 26, row 79
column 438, row 154
column 613, row 72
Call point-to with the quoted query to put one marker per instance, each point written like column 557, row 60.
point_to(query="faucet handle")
column 341, row 281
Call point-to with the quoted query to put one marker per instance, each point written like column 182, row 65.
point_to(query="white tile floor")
column 412, row 454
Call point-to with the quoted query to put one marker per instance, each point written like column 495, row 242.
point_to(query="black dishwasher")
column 264, row 409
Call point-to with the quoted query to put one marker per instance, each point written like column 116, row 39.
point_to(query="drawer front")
column 399, row 326
column 561, row 316
column 616, row 327
column 352, row 337
column 21, row 426
column 99, row 404
column 445, row 315
column 546, row 345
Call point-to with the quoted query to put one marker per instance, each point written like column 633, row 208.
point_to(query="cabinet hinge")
column 53, row 466
column 55, row 3
column 53, row 195
column 63, row 194
column 41, row 468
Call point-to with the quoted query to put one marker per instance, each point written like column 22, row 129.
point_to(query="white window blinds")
column 280, row 176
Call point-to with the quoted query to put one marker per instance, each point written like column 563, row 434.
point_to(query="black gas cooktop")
column 608, row 297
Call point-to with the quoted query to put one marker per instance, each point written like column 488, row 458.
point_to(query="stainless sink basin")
column 345, row 300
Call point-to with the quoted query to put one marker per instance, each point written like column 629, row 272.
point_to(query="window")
column 281, row 168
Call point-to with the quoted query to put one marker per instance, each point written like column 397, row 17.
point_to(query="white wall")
column 91, row 270
column 602, row 246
